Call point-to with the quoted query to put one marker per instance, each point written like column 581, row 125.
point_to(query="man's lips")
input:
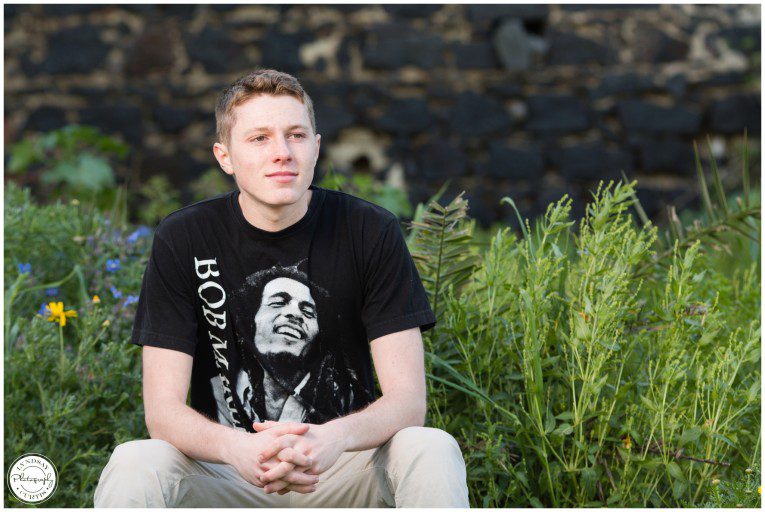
column 282, row 173
column 291, row 331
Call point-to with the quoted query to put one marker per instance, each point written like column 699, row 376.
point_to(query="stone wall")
column 531, row 101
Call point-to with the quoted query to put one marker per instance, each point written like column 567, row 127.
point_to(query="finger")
column 294, row 456
column 303, row 489
column 275, row 486
column 277, row 473
column 300, row 478
column 277, row 445
column 260, row 427
column 291, row 428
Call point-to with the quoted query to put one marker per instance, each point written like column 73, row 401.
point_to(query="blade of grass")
column 716, row 179
column 703, row 186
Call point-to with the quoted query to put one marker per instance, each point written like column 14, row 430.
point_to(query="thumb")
column 260, row 427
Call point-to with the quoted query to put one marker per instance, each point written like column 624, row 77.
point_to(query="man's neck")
column 274, row 218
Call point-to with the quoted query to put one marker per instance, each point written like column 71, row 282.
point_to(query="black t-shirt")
column 279, row 323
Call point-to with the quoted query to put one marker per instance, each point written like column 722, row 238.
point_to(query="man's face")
column 272, row 150
column 286, row 320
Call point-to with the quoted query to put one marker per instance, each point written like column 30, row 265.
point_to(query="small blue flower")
column 44, row 311
column 116, row 293
column 51, row 292
column 25, row 268
column 131, row 299
column 113, row 265
column 138, row 233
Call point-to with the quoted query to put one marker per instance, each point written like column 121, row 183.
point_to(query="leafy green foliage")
column 159, row 199
column 211, row 183
column 364, row 186
column 74, row 161
column 570, row 380
column 743, row 490
column 73, row 392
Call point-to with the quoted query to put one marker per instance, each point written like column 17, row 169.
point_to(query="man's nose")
column 282, row 152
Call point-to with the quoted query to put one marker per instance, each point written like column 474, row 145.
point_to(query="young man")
column 268, row 301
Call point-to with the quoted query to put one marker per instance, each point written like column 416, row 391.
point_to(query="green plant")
column 364, row 186
column 158, row 199
column 75, row 162
column 744, row 490
column 72, row 392
column 211, row 183
column 574, row 381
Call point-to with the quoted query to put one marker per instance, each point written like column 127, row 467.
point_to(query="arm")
column 399, row 363
column 166, row 378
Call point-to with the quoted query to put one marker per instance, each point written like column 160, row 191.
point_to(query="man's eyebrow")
column 270, row 128
column 283, row 295
column 307, row 303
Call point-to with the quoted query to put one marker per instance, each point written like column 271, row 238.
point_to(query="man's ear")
column 221, row 154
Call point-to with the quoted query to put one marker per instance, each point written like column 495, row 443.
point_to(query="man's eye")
column 259, row 138
column 299, row 135
column 277, row 303
column 310, row 313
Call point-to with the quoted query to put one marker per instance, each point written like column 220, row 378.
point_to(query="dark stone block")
column 179, row 167
column 89, row 92
column 115, row 119
column 173, row 120
column 592, row 161
column 733, row 114
column 483, row 15
column 67, row 9
column 282, row 51
column 394, row 45
column 440, row 160
column 654, row 45
column 215, row 50
column 74, row 50
column 45, row 119
column 606, row 7
column 514, row 162
column 151, row 52
column 506, row 89
column 481, row 206
column 623, row 83
column 330, row 119
column 475, row 56
column 332, row 91
column 570, row 49
column 557, row 113
column 411, row 10
column 669, row 156
column 745, row 39
column 406, row 116
column 10, row 12
column 726, row 78
column 476, row 115
column 223, row 7
column 655, row 201
column 642, row 116
column 183, row 11
column 676, row 85
column 367, row 95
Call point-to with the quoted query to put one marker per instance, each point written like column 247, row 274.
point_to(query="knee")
column 426, row 441
column 154, row 455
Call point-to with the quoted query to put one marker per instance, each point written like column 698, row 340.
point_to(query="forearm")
column 376, row 424
column 193, row 434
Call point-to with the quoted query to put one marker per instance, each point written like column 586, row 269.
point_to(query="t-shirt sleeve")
column 394, row 297
column 165, row 315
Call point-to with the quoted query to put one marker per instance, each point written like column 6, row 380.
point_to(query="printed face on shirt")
column 272, row 151
column 286, row 321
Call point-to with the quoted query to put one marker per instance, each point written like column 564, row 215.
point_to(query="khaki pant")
column 417, row 467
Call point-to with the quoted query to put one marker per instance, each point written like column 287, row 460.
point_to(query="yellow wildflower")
column 627, row 442
column 57, row 313
column 748, row 471
column 584, row 316
column 96, row 299
column 106, row 323
column 759, row 490
column 716, row 481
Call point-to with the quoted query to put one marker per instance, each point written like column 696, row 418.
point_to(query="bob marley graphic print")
column 278, row 323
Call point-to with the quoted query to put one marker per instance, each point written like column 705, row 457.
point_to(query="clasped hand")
column 291, row 456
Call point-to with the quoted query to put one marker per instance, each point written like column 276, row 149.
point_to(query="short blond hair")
column 260, row 81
